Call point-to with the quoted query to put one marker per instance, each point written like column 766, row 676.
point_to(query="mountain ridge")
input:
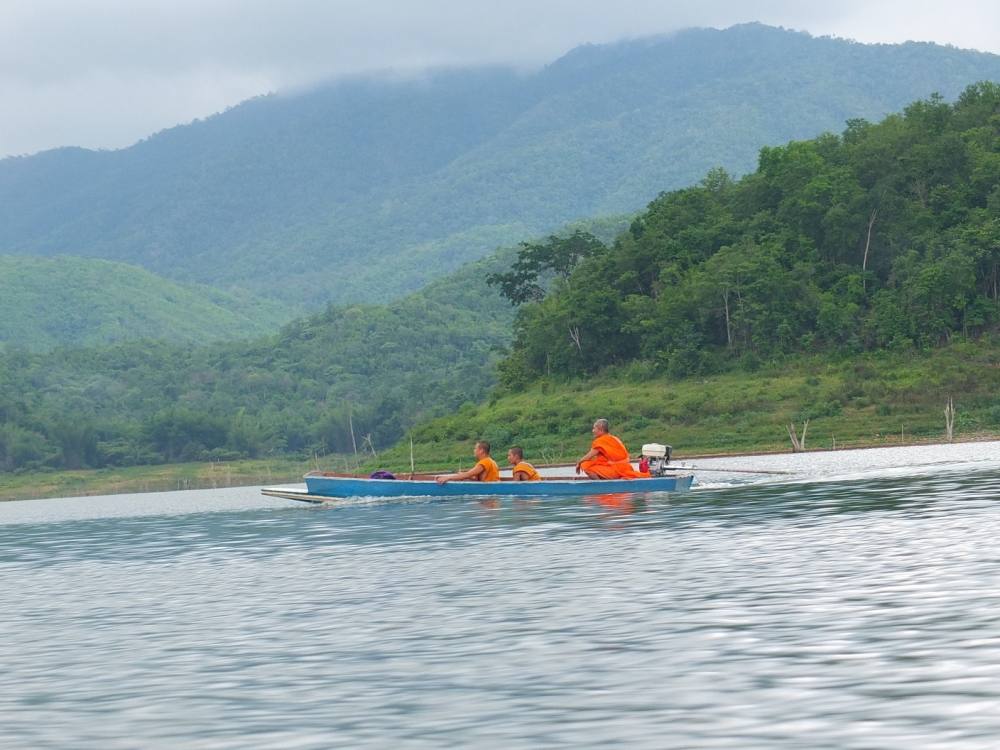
column 367, row 188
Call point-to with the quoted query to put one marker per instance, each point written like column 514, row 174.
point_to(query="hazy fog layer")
column 103, row 73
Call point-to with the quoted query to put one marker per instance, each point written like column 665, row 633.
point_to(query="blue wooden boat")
column 325, row 486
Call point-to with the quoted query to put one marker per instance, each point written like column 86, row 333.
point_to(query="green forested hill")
column 368, row 188
column 887, row 236
column 878, row 249
column 68, row 301
column 378, row 368
column 852, row 281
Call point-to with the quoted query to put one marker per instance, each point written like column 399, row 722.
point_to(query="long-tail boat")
column 324, row 487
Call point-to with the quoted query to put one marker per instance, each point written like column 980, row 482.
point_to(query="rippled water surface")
column 853, row 603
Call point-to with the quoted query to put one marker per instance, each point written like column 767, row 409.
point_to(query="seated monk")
column 485, row 470
column 607, row 457
column 521, row 470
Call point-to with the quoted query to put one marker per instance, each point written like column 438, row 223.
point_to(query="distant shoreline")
column 84, row 483
column 978, row 437
column 152, row 478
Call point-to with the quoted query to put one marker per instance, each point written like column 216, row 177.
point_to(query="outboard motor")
column 656, row 457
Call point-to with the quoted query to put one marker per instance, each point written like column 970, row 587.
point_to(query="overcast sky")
column 104, row 73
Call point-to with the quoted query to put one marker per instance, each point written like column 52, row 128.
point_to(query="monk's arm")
column 520, row 476
column 592, row 453
column 472, row 473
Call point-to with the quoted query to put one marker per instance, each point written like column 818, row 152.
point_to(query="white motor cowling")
column 656, row 457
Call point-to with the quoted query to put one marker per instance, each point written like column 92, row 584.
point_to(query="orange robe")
column 526, row 468
column 492, row 471
column 612, row 460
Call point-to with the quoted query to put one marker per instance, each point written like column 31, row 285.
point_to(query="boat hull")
column 340, row 487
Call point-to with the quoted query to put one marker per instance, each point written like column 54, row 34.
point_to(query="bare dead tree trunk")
column 574, row 335
column 350, row 422
column 868, row 244
column 949, row 419
column 746, row 332
column 798, row 444
column 367, row 440
column 729, row 325
column 793, row 436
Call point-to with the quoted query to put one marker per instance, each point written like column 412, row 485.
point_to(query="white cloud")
column 971, row 25
column 103, row 73
column 105, row 109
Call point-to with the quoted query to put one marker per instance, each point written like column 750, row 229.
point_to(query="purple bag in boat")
column 382, row 474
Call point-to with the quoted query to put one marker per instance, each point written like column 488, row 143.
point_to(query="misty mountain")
column 368, row 188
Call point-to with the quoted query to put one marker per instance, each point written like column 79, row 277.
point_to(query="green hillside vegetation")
column 879, row 398
column 885, row 237
column 875, row 398
column 376, row 368
column 67, row 301
column 370, row 188
column 300, row 391
column 878, row 249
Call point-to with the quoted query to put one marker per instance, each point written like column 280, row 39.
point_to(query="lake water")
column 851, row 603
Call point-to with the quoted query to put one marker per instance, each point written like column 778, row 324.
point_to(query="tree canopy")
column 887, row 235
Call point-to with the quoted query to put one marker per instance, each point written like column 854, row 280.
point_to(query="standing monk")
column 485, row 470
column 607, row 457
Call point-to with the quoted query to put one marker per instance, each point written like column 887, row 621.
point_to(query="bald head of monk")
column 601, row 427
column 482, row 449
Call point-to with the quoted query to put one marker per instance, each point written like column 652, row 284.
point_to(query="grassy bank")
column 160, row 478
column 887, row 398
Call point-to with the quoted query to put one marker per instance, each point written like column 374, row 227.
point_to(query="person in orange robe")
column 521, row 470
column 607, row 457
column 485, row 470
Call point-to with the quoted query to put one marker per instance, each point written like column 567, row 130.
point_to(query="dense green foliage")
column 370, row 188
column 67, row 301
column 886, row 236
column 538, row 262
column 376, row 368
column 881, row 242
column 373, row 368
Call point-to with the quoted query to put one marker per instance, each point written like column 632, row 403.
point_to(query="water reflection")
column 618, row 503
